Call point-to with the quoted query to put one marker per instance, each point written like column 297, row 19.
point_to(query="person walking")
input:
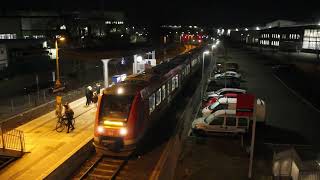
column 89, row 95
column 68, row 113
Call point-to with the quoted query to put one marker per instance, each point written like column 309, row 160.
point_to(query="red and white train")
column 128, row 109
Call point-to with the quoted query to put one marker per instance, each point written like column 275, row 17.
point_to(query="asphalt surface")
column 290, row 119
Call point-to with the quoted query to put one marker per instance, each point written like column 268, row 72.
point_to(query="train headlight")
column 123, row 131
column 100, row 129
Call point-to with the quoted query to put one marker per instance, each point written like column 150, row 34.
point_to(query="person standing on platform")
column 89, row 95
column 68, row 113
column 95, row 98
column 98, row 88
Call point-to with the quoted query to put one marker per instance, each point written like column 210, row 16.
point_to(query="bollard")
column 29, row 99
column 12, row 107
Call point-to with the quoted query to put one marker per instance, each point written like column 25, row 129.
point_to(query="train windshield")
column 116, row 106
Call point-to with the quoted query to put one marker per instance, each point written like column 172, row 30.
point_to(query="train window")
column 173, row 84
column 177, row 80
column 169, row 87
column 116, row 106
column 158, row 97
column 163, row 92
column 152, row 103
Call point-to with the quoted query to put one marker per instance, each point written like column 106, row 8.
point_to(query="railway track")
column 102, row 167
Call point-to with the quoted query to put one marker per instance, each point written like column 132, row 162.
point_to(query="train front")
column 115, row 129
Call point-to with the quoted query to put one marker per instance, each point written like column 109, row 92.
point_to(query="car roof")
column 231, row 89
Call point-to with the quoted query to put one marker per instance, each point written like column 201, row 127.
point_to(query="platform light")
column 123, row 131
column 246, row 29
column 237, row 29
column 257, row 28
column 100, row 129
column 120, row 90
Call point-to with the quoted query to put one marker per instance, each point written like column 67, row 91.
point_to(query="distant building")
column 280, row 23
column 282, row 35
column 46, row 24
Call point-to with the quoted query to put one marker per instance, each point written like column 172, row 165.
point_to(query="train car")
column 127, row 110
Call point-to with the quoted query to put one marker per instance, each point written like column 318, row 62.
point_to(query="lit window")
column 173, row 84
column 152, row 103
column 163, row 95
column 169, row 87
column 158, row 97
column 177, row 80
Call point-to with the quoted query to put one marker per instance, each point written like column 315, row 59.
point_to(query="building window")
column 311, row 39
column 152, row 103
column 158, row 97
column 8, row 36
column 163, row 95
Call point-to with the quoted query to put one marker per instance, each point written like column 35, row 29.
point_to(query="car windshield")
column 214, row 105
column 116, row 106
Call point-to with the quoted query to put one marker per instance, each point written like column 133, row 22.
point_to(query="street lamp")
column 58, row 38
column 202, row 80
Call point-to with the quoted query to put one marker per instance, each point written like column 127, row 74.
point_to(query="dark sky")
column 210, row 12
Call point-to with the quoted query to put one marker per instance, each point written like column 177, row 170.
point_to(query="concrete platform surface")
column 46, row 148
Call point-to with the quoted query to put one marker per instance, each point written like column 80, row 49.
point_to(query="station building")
column 281, row 35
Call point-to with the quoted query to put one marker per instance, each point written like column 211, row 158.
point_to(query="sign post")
column 246, row 106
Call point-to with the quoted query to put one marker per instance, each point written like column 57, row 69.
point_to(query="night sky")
column 201, row 12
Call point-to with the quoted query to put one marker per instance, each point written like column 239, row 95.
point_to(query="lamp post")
column 58, row 82
column 202, row 80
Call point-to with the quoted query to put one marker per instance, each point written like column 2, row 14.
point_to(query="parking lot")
column 289, row 120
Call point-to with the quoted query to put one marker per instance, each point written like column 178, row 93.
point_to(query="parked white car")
column 223, row 91
column 227, row 74
column 221, row 103
column 221, row 121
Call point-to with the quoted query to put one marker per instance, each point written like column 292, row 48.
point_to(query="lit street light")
column 202, row 80
column 58, row 82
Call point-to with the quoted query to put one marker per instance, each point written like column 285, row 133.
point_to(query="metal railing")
column 12, row 139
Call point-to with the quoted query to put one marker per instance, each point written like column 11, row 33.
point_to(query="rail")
column 109, row 166
column 12, row 139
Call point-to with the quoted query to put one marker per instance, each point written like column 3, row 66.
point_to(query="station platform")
column 46, row 148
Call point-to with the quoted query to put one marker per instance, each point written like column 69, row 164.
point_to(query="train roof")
column 136, row 82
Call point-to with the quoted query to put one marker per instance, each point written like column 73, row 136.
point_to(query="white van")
column 221, row 103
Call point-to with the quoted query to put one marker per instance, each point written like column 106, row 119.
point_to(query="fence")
column 12, row 140
column 19, row 104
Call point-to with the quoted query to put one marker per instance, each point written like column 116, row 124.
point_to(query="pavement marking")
column 296, row 94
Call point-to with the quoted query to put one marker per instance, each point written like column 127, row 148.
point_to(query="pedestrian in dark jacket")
column 68, row 113
column 98, row 88
column 89, row 95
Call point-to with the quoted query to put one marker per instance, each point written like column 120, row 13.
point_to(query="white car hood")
column 198, row 121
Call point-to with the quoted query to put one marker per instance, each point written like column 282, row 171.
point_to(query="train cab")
column 116, row 124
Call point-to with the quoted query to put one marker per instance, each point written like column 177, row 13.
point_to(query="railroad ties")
column 102, row 167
